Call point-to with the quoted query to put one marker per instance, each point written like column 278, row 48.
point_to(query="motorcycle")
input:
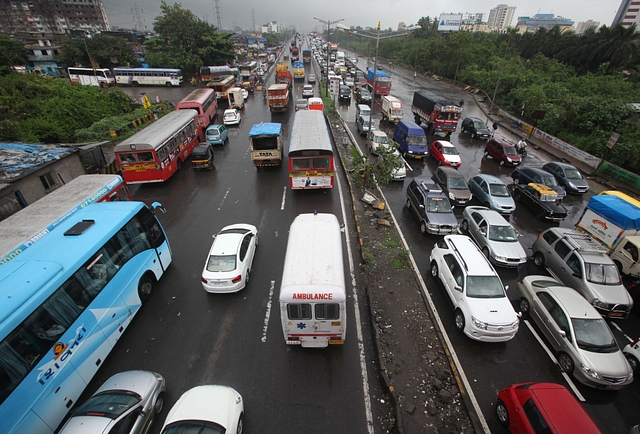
column 521, row 147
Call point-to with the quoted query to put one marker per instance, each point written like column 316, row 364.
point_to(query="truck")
column 295, row 54
column 278, row 96
column 298, row 70
column 382, row 82
column 439, row 114
column 391, row 109
column 306, row 56
column 615, row 224
column 265, row 144
column 284, row 77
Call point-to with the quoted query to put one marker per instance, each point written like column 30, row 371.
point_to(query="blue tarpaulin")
column 268, row 128
column 618, row 211
column 16, row 157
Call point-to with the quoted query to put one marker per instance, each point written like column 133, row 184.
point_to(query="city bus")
column 205, row 101
column 65, row 303
column 158, row 151
column 148, row 76
column 24, row 228
column 222, row 84
column 313, row 296
column 311, row 161
column 91, row 76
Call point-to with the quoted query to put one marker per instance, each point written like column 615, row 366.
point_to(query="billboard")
column 449, row 22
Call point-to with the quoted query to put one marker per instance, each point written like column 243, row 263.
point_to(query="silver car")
column 580, row 336
column 578, row 261
column 492, row 193
column 130, row 400
column 494, row 235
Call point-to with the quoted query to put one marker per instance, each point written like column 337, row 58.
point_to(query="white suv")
column 482, row 310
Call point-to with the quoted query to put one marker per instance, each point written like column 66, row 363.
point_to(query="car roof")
column 491, row 216
column 450, row 172
column 535, row 170
column 475, row 266
column 216, row 126
column 444, row 143
column 230, row 110
column 490, row 178
column 573, row 302
column 563, row 165
column 379, row 133
column 502, row 141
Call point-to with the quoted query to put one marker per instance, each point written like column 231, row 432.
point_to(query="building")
column 546, row 21
column 628, row 14
column 52, row 16
column 272, row 27
column 583, row 26
column 500, row 18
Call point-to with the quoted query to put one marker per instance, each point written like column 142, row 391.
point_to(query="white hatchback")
column 230, row 258
column 482, row 309
column 231, row 117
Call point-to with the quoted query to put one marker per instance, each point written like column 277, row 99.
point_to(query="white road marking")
column 268, row 312
column 224, row 198
column 356, row 308
column 284, row 195
column 554, row 360
column 620, row 330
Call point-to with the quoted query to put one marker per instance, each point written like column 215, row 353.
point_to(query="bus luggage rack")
column 584, row 243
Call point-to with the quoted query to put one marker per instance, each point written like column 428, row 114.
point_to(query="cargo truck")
column 614, row 223
column 265, row 144
column 306, row 56
column 391, row 109
column 298, row 70
column 439, row 114
column 295, row 54
column 278, row 96
column 382, row 82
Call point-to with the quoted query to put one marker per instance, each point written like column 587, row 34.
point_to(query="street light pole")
column 328, row 23
column 495, row 91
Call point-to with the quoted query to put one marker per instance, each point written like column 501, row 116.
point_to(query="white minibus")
column 313, row 294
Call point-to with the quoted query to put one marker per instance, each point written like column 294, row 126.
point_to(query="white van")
column 313, row 295
column 362, row 110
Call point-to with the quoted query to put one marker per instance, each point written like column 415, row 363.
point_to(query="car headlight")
column 515, row 324
column 452, row 196
column 433, row 226
column 500, row 258
column 597, row 303
column 496, row 204
column 479, row 324
column 470, row 196
column 572, row 185
column 590, row 372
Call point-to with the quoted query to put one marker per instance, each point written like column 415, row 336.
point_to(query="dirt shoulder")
column 421, row 388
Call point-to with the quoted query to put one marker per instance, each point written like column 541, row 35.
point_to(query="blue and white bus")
column 65, row 302
column 148, row 76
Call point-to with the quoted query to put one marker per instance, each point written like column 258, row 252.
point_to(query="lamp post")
column 328, row 23
column 495, row 91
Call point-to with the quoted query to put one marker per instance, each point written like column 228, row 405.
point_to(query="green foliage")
column 12, row 52
column 101, row 129
column 379, row 171
column 106, row 51
column 50, row 110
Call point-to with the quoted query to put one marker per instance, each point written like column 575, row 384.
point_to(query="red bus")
column 311, row 163
column 222, row 85
column 158, row 151
column 205, row 102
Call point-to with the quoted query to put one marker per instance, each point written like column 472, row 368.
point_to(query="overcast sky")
column 364, row 13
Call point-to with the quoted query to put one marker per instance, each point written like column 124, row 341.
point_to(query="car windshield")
column 510, row 150
column 457, row 184
column 108, row 404
column 484, row 287
column 594, row 335
column 479, row 125
column 417, row 141
column 498, row 190
column 221, row 263
column 503, row 234
column 194, row 427
column 438, row 204
column 572, row 174
column 550, row 181
column 449, row 150
column 603, row 274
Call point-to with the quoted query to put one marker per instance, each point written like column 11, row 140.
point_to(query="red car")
column 445, row 153
column 542, row 407
column 503, row 152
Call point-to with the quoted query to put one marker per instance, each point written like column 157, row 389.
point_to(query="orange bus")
column 222, row 84
column 158, row 151
column 311, row 162
column 205, row 102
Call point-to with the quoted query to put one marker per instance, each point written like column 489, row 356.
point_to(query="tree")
column 12, row 52
column 106, row 51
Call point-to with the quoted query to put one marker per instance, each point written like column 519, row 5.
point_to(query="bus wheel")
column 145, row 286
column 168, row 84
column 179, row 164
column 134, row 83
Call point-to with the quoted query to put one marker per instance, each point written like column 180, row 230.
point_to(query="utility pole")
column 217, row 14
column 328, row 23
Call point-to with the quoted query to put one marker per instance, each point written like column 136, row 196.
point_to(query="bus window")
column 145, row 156
column 299, row 311
column 321, row 163
column 128, row 158
column 300, row 163
column 327, row 311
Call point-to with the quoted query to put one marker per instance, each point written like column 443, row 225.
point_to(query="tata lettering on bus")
column 148, row 76
column 155, row 153
column 311, row 161
column 21, row 230
column 313, row 293
column 65, row 303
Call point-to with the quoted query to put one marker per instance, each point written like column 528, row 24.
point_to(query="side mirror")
column 506, row 287
column 563, row 333
column 159, row 207
column 458, row 288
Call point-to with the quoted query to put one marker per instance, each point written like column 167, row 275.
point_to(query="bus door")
column 158, row 240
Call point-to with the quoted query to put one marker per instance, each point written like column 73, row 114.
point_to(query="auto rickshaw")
column 202, row 157
column 248, row 85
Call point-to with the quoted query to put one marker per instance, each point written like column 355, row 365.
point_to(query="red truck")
column 437, row 113
column 295, row 54
column 278, row 95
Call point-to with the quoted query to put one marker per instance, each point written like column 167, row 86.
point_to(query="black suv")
column 344, row 93
column 362, row 94
column 431, row 207
column 476, row 127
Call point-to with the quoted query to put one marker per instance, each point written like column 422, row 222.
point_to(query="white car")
column 230, row 259
column 231, row 117
column 349, row 82
column 245, row 93
column 307, row 91
column 206, row 409
column 482, row 309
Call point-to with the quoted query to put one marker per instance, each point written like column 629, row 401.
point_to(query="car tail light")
column 635, row 341
column 203, row 279
column 237, row 279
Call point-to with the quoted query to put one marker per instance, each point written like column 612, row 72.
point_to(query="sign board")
column 449, row 22
column 602, row 230
column 613, row 140
column 334, row 85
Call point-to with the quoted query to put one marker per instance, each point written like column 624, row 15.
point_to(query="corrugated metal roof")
column 18, row 159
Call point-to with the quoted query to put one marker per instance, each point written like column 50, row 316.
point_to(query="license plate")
column 417, row 157
column 336, row 342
